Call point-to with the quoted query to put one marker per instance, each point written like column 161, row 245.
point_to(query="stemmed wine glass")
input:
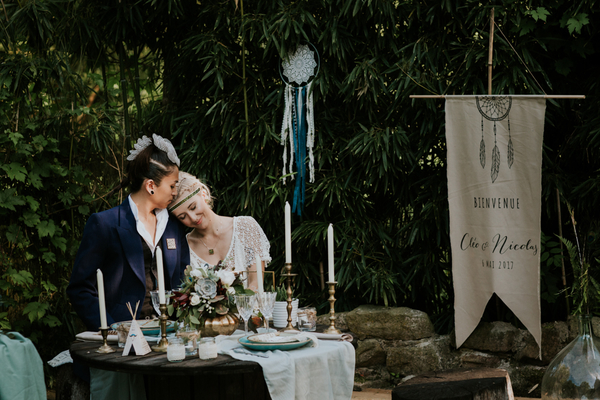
column 266, row 302
column 245, row 306
column 156, row 300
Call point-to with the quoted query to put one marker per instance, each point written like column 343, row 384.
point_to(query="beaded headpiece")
column 160, row 142
column 188, row 187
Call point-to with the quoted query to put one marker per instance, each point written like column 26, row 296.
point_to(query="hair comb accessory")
column 166, row 146
column 160, row 142
column 141, row 144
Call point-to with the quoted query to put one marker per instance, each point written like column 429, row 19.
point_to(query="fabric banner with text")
column 494, row 192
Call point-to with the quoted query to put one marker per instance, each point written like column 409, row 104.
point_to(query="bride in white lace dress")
column 232, row 240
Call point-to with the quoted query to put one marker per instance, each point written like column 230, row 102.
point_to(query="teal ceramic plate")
column 149, row 328
column 271, row 346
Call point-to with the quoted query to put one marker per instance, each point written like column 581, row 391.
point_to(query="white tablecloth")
column 307, row 373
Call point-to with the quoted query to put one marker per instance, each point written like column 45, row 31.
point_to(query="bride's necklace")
column 211, row 251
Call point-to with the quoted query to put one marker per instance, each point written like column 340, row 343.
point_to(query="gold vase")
column 220, row 325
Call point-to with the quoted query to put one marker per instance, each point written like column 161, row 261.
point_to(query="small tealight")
column 207, row 349
column 175, row 350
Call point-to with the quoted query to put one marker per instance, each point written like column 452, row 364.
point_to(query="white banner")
column 494, row 193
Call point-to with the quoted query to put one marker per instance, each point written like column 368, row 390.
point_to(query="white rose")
column 227, row 277
column 195, row 273
column 195, row 300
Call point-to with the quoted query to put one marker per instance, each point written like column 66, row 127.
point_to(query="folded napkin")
column 275, row 338
column 333, row 336
column 96, row 336
column 329, row 336
column 113, row 337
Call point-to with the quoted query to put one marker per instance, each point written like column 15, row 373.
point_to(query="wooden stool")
column 462, row 384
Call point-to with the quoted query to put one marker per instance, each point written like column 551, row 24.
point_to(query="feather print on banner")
column 298, row 127
column 495, row 108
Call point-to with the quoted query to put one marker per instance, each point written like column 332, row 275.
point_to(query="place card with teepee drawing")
column 135, row 337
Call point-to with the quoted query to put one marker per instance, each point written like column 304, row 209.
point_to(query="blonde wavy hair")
column 187, row 187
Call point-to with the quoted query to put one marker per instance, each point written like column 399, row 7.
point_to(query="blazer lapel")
column 131, row 241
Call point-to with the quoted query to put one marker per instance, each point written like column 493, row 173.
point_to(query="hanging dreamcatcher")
column 495, row 108
column 298, row 128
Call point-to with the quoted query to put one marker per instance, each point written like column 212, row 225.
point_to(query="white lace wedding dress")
column 247, row 238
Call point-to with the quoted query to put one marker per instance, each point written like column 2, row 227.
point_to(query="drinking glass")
column 266, row 302
column 156, row 299
column 245, row 306
column 307, row 319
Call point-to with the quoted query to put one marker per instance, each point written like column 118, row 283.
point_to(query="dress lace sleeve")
column 253, row 239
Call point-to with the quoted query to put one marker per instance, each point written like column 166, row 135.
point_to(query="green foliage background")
column 80, row 81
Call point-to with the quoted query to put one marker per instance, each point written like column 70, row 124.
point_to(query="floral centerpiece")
column 207, row 292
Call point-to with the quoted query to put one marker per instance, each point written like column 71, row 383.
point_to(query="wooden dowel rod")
column 548, row 96
column 491, row 52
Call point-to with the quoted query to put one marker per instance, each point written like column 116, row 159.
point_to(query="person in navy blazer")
column 111, row 243
column 113, row 239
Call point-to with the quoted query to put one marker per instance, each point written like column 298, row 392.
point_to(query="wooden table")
column 223, row 378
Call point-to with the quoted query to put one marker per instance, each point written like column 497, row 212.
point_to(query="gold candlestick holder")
column 332, row 329
column 288, row 275
column 105, row 348
column 162, row 343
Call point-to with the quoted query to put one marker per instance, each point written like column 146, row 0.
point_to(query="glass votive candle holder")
column 207, row 349
column 175, row 350
column 190, row 337
column 307, row 319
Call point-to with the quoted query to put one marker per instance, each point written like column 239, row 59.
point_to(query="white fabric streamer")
column 310, row 134
column 287, row 131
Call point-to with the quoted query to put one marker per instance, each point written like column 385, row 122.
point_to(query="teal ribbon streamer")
column 299, row 137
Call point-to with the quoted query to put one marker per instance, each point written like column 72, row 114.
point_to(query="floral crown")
column 160, row 142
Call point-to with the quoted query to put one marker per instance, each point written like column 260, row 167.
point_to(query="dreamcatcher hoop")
column 495, row 108
column 313, row 76
column 298, row 72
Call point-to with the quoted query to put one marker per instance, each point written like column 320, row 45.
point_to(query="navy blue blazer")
column 111, row 243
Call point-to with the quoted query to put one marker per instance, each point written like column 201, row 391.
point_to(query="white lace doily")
column 300, row 66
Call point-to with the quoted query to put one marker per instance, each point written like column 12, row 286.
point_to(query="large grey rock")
column 418, row 357
column 369, row 353
column 555, row 336
column 390, row 323
column 340, row 320
column 525, row 346
column 495, row 336
column 477, row 359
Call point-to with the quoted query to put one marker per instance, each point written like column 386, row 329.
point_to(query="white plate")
column 274, row 338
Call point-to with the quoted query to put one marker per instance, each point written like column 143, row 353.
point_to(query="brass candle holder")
column 162, row 343
column 288, row 275
column 105, row 348
column 332, row 329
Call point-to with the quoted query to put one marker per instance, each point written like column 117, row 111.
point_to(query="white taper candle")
column 330, row 252
column 161, row 276
column 101, row 301
column 288, row 233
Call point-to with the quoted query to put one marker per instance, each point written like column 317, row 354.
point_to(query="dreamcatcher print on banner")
column 298, row 127
column 495, row 108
